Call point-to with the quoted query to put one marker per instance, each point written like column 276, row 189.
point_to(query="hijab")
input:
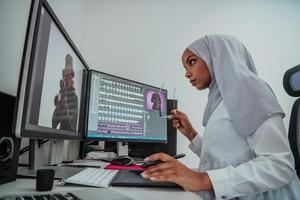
column 249, row 100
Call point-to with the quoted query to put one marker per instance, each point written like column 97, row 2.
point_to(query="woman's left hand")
column 172, row 170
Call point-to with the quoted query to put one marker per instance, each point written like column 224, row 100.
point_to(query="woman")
column 244, row 151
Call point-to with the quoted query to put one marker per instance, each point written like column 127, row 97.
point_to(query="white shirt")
column 260, row 166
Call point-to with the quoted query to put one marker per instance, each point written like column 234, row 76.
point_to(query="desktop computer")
column 52, row 88
column 125, row 111
column 129, row 112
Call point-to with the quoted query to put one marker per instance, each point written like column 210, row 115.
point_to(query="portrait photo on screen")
column 156, row 101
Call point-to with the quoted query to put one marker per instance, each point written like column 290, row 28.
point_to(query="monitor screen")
column 123, row 110
column 54, row 97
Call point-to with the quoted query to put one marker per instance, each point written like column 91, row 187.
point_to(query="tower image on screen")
column 66, row 101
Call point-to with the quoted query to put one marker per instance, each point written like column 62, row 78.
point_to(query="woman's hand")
column 173, row 171
column 183, row 124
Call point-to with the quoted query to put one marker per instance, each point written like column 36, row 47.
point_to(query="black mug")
column 44, row 179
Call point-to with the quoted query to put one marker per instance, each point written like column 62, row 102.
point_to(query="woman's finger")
column 161, row 166
column 176, row 122
column 176, row 112
column 159, row 156
column 177, row 125
column 177, row 115
column 168, row 178
column 158, row 173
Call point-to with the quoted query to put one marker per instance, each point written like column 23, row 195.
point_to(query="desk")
column 25, row 185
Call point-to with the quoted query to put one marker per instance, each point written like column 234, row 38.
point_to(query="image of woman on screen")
column 65, row 114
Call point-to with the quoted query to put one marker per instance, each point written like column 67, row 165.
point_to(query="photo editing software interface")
column 120, row 109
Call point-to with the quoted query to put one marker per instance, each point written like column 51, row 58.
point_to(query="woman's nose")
column 188, row 74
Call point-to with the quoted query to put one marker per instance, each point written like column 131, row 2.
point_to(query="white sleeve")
column 271, row 167
column 196, row 144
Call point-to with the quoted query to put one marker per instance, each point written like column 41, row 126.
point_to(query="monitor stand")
column 52, row 151
column 36, row 160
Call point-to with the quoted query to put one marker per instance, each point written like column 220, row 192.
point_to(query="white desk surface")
column 26, row 185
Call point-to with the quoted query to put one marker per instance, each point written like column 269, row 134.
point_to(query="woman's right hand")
column 183, row 124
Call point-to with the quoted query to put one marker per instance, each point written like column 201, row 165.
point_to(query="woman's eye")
column 192, row 61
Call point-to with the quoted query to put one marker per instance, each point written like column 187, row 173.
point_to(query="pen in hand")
column 151, row 163
column 167, row 116
column 170, row 117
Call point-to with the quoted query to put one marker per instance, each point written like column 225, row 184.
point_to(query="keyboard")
column 86, row 194
column 96, row 177
column 55, row 196
column 132, row 178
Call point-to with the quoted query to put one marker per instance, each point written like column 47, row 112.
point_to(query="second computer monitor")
column 125, row 110
column 52, row 88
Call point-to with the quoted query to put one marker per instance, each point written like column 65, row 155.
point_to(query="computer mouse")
column 123, row 160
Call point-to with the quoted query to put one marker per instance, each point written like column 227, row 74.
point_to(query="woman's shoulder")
column 273, row 122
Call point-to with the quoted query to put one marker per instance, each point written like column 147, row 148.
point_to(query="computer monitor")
column 120, row 109
column 52, row 88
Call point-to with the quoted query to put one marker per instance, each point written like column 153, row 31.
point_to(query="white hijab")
column 249, row 100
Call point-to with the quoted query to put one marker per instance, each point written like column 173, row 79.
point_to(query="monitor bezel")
column 118, row 139
column 39, row 132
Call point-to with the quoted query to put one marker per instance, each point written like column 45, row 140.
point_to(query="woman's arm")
column 182, row 123
column 173, row 171
column 272, row 167
column 196, row 144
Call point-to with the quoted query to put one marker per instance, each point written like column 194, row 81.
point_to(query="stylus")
column 151, row 163
column 167, row 116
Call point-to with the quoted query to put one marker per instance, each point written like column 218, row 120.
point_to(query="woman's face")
column 196, row 70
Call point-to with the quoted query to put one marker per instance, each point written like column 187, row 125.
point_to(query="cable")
column 25, row 149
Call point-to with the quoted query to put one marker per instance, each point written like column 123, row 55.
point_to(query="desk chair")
column 291, row 84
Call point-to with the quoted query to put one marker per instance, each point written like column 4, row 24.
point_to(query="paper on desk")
column 99, row 155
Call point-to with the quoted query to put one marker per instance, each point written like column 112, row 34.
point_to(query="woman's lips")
column 193, row 82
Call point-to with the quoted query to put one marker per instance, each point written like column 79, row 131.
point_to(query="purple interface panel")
column 120, row 129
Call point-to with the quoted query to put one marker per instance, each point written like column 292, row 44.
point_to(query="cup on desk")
column 44, row 179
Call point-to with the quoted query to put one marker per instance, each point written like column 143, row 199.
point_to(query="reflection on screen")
column 123, row 109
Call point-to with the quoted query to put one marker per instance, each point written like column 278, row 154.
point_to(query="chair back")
column 291, row 84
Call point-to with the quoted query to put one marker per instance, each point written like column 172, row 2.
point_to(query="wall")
column 143, row 40
column 13, row 19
